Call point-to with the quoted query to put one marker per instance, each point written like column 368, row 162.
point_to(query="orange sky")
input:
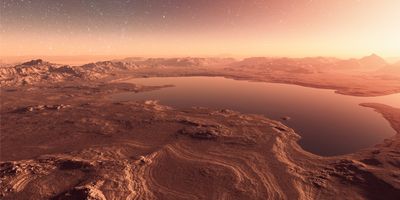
column 341, row 28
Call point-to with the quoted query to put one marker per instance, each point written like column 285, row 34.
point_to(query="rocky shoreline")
column 92, row 148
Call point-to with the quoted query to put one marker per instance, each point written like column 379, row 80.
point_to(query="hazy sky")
column 297, row 28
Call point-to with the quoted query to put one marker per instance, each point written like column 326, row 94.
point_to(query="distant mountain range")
column 177, row 62
column 391, row 69
column 313, row 64
column 372, row 62
column 37, row 71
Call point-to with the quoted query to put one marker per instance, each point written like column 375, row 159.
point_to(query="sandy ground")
column 69, row 141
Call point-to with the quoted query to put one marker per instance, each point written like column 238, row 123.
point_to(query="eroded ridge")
column 145, row 150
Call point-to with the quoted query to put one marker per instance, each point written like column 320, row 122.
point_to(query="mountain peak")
column 372, row 56
column 33, row 62
column 373, row 61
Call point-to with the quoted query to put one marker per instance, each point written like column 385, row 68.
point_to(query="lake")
column 329, row 123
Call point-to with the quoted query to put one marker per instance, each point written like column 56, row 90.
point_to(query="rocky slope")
column 39, row 71
column 36, row 71
column 93, row 148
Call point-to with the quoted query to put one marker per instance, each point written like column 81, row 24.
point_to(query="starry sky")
column 296, row 28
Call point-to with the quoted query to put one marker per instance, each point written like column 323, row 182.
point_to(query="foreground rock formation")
column 66, row 141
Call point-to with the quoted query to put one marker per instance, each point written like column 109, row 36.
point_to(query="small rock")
column 286, row 118
column 143, row 160
column 205, row 133
column 279, row 128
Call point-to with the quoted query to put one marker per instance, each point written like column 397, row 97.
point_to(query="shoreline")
column 91, row 142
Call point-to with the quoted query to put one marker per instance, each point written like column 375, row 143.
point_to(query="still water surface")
column 329, row 123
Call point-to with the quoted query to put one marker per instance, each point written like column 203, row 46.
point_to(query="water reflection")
column 329, row 123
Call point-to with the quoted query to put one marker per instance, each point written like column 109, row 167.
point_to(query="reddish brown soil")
column 68, row 141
